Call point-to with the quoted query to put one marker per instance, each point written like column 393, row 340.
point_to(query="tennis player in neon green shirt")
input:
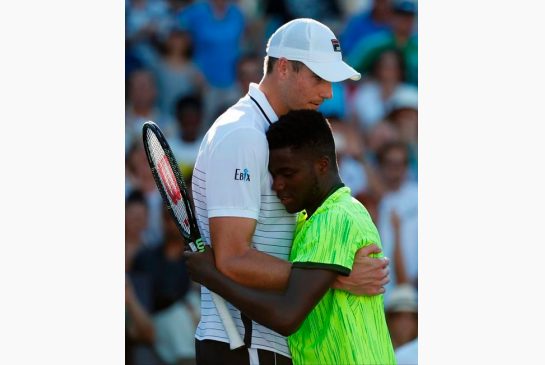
column 325, row 325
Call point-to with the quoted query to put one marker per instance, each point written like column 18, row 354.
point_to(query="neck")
column 324, row 192
column 267, row 87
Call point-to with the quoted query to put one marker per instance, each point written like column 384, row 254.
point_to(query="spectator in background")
column 380, row 134
column 403, row 114
column 322, row 10
column 136, row 221
column 217, row 28
column 177, row 75
column 144, row 20
column 139, row 177
column 175, row 306
column 373, row 98
column 356, row 171
column 139, row 329
column 249, row 69
column 366, row 23
column 400, row 202
column 186, row 141
column 142, row 97
column 401, row 38
column 402, row 315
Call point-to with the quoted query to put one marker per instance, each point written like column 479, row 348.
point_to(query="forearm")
column 141, row 325
column 283, row 312
column 257, row 270
column 399, row 261
column 270, row 309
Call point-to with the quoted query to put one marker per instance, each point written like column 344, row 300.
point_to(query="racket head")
column 170, row 182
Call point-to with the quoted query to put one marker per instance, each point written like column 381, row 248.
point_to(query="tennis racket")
column 171, row 184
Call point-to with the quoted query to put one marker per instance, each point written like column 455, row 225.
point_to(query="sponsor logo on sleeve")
column 242, row 175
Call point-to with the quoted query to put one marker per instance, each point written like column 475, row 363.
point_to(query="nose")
column 327, row 91
column 278, row 184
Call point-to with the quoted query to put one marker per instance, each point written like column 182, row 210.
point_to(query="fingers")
column 368, row 250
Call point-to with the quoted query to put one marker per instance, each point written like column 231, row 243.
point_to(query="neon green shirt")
column 342, row 328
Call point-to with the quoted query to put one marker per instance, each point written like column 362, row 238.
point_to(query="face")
column 249, row 71
column 304, row 89
column 394, row 167
column 403, row 23
column 136, row 218
column 295, row 179
column 190, row 123
column 142, row 89
column 389, row 68
column 178, row 43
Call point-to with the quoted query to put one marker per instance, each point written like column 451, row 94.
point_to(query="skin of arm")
column 141, row 327
column 399, row 261
column 283, row 312
column 236, row 259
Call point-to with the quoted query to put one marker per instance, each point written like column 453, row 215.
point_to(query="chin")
column 291, row 209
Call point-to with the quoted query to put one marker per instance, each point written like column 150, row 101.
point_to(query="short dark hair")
column 136, row 197
column 304, row 129
column 270, row 61
column 191, row 101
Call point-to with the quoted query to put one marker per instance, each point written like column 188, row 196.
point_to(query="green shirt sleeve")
column 328, row 240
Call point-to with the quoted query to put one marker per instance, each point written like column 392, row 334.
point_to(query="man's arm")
column 368, row 276
column 235, row 258
column 141, row 326
column 283, row 312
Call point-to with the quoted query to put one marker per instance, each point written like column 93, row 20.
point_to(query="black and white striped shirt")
column 231, row 178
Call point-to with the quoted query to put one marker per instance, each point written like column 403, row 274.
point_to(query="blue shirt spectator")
column 216, row 28
column 366, row 23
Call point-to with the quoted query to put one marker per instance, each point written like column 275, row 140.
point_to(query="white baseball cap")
column 314, row 44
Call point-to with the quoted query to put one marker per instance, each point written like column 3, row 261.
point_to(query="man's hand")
column 201, row 265
column 368, row 276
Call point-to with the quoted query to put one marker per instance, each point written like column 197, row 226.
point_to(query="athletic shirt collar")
column 262, row 104
column 333, row 195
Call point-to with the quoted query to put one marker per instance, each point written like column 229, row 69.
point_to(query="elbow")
column 230, row 266
column 227, row 268
column 287, row 322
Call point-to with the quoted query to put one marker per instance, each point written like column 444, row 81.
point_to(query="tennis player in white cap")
column 237, row 211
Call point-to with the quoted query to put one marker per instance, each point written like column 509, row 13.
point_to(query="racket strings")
column 166, row 176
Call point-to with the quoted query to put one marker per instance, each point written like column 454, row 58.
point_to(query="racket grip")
column 235, row 341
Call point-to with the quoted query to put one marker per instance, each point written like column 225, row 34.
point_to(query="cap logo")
column 336, row 45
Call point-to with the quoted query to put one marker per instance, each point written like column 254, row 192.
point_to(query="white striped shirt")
column 231, row 178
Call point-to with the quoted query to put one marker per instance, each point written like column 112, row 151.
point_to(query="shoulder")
column 236, row 134
column 239, row 125
column 347, row 216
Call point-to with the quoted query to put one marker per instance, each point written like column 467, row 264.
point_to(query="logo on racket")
column 169, row 180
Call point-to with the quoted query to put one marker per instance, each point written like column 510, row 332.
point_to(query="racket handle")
column 235, row 341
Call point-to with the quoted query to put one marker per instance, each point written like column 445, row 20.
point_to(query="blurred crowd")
column 186, row 62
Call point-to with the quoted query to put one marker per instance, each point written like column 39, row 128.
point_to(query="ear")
column 322, row 165
column 282, row 67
